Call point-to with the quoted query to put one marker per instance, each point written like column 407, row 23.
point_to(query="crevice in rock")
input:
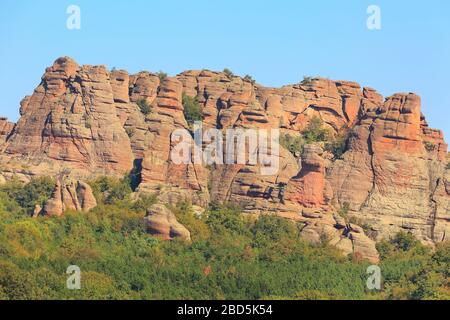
column 344, row 111
column 372, row 166
column 434, row 207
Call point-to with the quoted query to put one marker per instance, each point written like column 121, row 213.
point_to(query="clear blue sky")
column 277, row 42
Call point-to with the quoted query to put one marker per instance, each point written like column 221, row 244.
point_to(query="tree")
column 228, row 73
column 36, row 192
column 338, row 145
column 144, row 106
column 315, row 131
column 192, row 110
column 307, row 80
column 162, row 76
column 111, row 190
column 249, row 78
column 405, row 241
column 293, row 144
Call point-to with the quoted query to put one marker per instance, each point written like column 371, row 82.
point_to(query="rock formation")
column 6, row 128
column 72, row 121
column 69, row 195
column 393, row 171
column 161, row 222
column 86, row 121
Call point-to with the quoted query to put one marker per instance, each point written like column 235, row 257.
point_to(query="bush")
column 307, row 80
column 338, row 145
column 231, row 257
column 293, row 144
column 405, row 241
column 344, row 209
column 192, row 110
column 315, row 131
column 37, row 192
column 226, row 218
column 270, row 229
column 249, row 78
column 144, row 106
column 162, row 76
column 196, row 225
column 144, row 202
column 109, row 190
column 228, row 73
column 429, row 146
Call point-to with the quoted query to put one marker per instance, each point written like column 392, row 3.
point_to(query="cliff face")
column 6, row 128
column 85, row 121
column 71, row 121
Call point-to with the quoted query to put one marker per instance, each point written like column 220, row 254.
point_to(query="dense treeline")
column 231, row 256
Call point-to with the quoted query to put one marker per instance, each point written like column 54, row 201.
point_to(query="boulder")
column 161, row 222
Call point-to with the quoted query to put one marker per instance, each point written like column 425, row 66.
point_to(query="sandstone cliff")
column 86, row 121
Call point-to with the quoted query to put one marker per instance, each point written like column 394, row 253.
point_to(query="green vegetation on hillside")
column 37, row 192
column 232, row 256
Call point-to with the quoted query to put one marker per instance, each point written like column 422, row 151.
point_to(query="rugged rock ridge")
column 85, row 121
column 393, row 169
column 70, row 120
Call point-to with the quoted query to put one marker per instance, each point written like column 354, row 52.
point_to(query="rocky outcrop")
column 71, row 120
column 349, row 238
column 161, row 222
column 309, row 188
column 185, row 180
column 86, row 121
column 393, row 169
column 6, row 128
column 69, row 195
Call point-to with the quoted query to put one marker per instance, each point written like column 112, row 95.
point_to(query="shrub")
column 307, row 80
column 315, row 131
column 162, row 76
column 226, row 218
column 405, row 241
column 270, row 229
column 228, row 73
column 429, row 146
column 293, row 144
column 196, row 225
column 344, row 209
column 144, row 106
column 192, row 110
column 249, row 78
column 111, row 190
column 37, row 192
column 338, row 145
column 144, row 202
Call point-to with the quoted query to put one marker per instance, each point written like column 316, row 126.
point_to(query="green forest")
column 231, row 256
